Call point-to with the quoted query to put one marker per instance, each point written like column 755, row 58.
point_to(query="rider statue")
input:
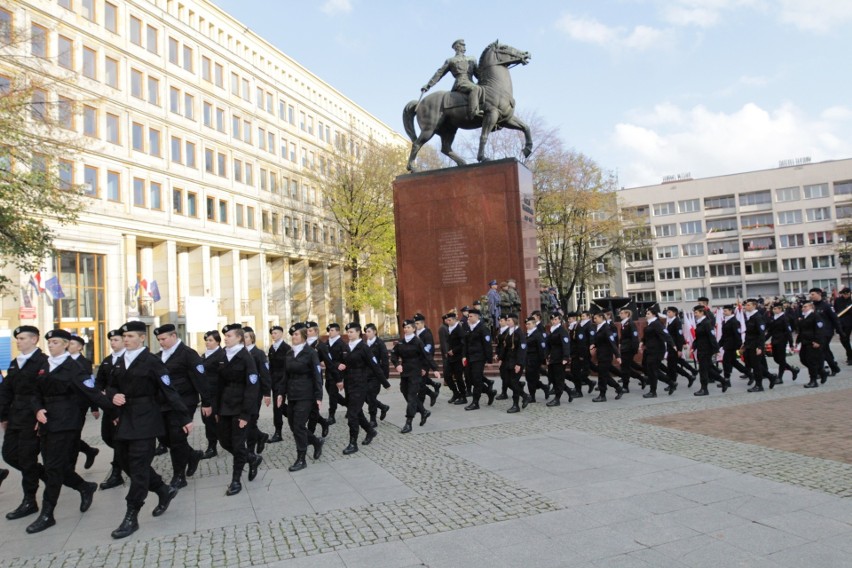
column 464, row 70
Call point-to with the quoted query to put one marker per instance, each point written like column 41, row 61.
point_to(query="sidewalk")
column 737, row 479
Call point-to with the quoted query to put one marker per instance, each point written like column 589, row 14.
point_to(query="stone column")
column 164, row 273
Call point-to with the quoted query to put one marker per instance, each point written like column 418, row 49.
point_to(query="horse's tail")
column 408, row 114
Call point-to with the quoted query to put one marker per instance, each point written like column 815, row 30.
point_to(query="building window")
column 153, row 40
column 188, row 59
column 815, row 191
column 843, row 187
column 635, row 296
column 818, row 214
column 90, row 58
column 821, row 238
column 762, row 220
column 205, row 68
column 787, row 194
column 668, row 230
column 65, row 4
column 191, row 204
column 791, row 241
column 640, row 276
column 246, row 90
column 156, row 192
column 758, row 243
column 66, row 174
column 668, row 296
column 667, row 252
column 138, row 137
column 111, row 17
column 208, row 115
column 174, row 100
column 664, row 209
column 761, row 267
column 730, row 269
column 219, row 75
column 722, row 292
column 90, row 121
column 220, row 119
column 5, row 27
column 756, row 198
column 111, row 72
column 824, row 261
column 189, row 106
column 139, row 192
column 112, row 129
column 38, row 105
column 264, row 222
column 90, row 181
column 154, row 142
column 693, row 249
column 826, row 284
column 843, row 211
column 692, row 294
column 238, row 216
column 693, row 271
column 135, row 31
column 209, row 158
column 796, row 287
column 84, row 307
column 87, row 8
column 250, row 217
column 65, row 113
column 262, row 176
column 211, row 209
column 789, row 217
column 177, row 201
column 690, row 228
column 238, row 171
column 721, row 202
column 174, row 48
column 669, row 274
column 249, row 174
column 136, row 83
column 65, row 53
column 38, row 41
column 223, row 211
column 176, row 147
column 154, row 91
column 222, row 165
column 792, row 264
column 600, row 291
column 189, row 155
column 113, row 186
column 714, row 225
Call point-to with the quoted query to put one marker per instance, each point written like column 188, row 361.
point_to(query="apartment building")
column 763, row 233
column 198, row 135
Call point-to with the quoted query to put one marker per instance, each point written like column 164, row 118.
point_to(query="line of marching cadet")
column 146, row 397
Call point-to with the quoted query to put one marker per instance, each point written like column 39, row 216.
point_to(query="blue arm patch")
column 253, row 379
column 428, row 348
column 319, row 369
column 565, row 340
column 166, row 380
column 543, row 344
column 523, row 345
column 375, row 361
column 267, row 365
column 200, row 368
column 579, row 336
column 90, row 382
column 762, row 327
column 488, row 338
column 635, row 334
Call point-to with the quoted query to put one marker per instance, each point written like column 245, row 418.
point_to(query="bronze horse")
column 444, row 112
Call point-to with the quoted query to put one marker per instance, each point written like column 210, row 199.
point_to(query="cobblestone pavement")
column 469, row 483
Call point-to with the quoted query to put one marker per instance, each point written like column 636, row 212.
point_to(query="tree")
column 36, row 156
column 355, row 178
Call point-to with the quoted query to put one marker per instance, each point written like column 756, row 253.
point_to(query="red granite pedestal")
column 458, row 228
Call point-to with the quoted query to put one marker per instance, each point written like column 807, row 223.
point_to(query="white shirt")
column 701, row 319
column 166, row 353
column 371, row 341
column 600, row 325
column 130, row 356
column 277, row 344
column 728, row 318
column 210, row 352
column 473, row 326
column 452, row 327
column 298, row 349
column 409, row 336
column 504, row 328
column 22, row 359
column 249, row 346
column 352, row 344
column 624, row 322
column 231, row 351
column 116, row 355
column 781, row 315
column 333, row 340
column 312, row 340
column 75, row 356
column 651, row 320
column 555, row 327
column 56, row 361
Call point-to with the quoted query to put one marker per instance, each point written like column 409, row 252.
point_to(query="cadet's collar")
column 409, row 337
column 58, row 360
column 353, row 344
column 130, row 356
column 231, row 351
column 298, row 349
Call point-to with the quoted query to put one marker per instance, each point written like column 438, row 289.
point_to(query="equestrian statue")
column 488, row 104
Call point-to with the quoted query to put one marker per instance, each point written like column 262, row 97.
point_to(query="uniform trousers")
column 59, row 453
column 477, row 376
column 705, row 362
column 356, row 396
column 730, row 362
column 827, row 355
column 176, row 438
column 556, row 374
column 20, row 450
column 811, row 357
column 410, row 387
column 652, row 366
column 298, row 412
column 755, row 364
column 455, row 377
column 512, row 379
column 210, row 429
column 135, row 457
column 533, row 374
column 374, row 387
column 779, row 355
column 233, row 440
column 605, row 376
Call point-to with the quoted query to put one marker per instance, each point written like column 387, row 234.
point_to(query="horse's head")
column 501, row 54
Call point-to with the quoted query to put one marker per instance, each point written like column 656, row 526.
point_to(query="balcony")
column 764, row 253
column 756, row 207
column 718, row 257
column 762, row 277
column 726, row 234
column 735, row 279
column 720, row 212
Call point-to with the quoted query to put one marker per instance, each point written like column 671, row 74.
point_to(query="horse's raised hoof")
column 527, row 152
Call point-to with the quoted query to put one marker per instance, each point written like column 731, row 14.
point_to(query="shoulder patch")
column 428, row 348
column 90, row 382
column 166, row 380
column 543, row 344
column 253, row 379
column 1, row 379
column 680, row 331
column 488, row 338
column 523, row 345
column 267, row 365
column 592, row 332
column 200, row 368
column 762, row 327
column 579, row 336
column 375, row 360
column 319, row 369
column 635, row 334
column 565, row 339
column 820, row 324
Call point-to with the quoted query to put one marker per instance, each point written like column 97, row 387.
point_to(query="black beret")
column 672, row 309
column 231, row 327
column 698, row 308
column 311, row 325
column 845, row 290
column 134, row 326
column 554, row 315
column 352, row 325
column 572, row 315
column 703, row 299
column 654, row 310
column 58, row 334
column 248, row 329
column 76, row 338
column 294, row 328
column 408, row 322
column 529, row 319
column 474, row 311
column 451, row 315
column 279, row 328
column 26, row 329
column 477, row 303
column 513, row 316
column 420, row 317
column 167, row 328
column 818, row 290
column 113, row 333
column 728, row 307
column 465, row 309
column 331, row 326
column 371, row 326
column 751, row 301
column 214, row 334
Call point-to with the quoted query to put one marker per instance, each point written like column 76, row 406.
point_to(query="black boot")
column 129, row 525
column 45, row 520
column 352, row 447
column 383, row 411
column 195, row 456
column 178, row 481
column 114, row 479
column 491, row 394
column 235, row 487
column 425, row 415
column 318, row 444
column 373, row 423
column 331, row 420
column 407, row 428
column 87, row 493
column 599, row 398
column 276, row 437
column 472, row 406
column 299, row 463
column 372, row 433
column 211, row 451
column 554, row 402
column 4, row 473
column 161, row 449
column 253, row 465
column 27, row 507
column 166, row 493
column 811, row 385
column 701, row 392
column 461, row 400
column 261, row 443
column 91, row 454
column 513, row 409
column 325, row 424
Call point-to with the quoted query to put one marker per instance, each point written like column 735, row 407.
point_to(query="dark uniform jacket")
column 755, row 332
column 558, row 346
column 501, row 339
column 656, row 340
column 705, row 338
column 18, row 389
column 514, row 349
column 186, row 371
column 237, row 386
column 302, row 378
column 780, row 331
column 455, row 343
column 731, row 337
column 581, row 339
column 262, row 365
column 629, row 338
column 277, row 364
column 360, row 365
column 380, row 352
column 477, row 344
column 840, row 304
column 62, row 392
column 536, row 346
column 808, row 328
column 824, row 312
column 428, row 341
column 104, row 379
column 675, row 329
column 413, row 357
column 333, row 356
column 605, row 346
column 144, row 384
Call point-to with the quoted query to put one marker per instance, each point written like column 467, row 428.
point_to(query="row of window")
column 755, row 221
column 731, row 269
column 734, row 246
column 783, row 194
column 722, row 292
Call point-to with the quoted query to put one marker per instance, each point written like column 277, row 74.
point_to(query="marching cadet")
column 103, row 381
column 429, row 387
column 655, row 342
column 676, row 364
column 316, row 418
column 277, row 359
column 780, row 336
column 235, row 402
column 754, row 344
column 810, row 342
column 59, row 391
column 255, row 439
column 301, row 385
column 826, row 331
column 504, row 326
column 730, row 342
column 476, row 353
column 141, row 380
column 443, row 341
column 512, row 363
column 186, row 371
column 604, row 347
column 580, row 353
column 75, row 350
column 628, row 347
column 380, row 352
column 355, row 364
column 20, row 440
column 213, row 353
column 705, row 346
column 454, row 375
column 536, row 345
column 330, row 354
column 412, row 362
column 557, row 353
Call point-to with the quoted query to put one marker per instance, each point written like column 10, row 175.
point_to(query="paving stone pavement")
column 580, row 485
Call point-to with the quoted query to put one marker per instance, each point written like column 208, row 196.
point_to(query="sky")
column 646, row 88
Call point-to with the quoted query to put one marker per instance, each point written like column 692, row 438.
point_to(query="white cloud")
column 670, row 139
column 701, row 13
column 589, row 30
column 334, row 7
column 816, row 15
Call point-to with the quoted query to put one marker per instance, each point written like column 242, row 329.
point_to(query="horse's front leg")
column 489, row 121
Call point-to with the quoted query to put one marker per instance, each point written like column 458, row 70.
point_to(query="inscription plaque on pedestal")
column 458, row 228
